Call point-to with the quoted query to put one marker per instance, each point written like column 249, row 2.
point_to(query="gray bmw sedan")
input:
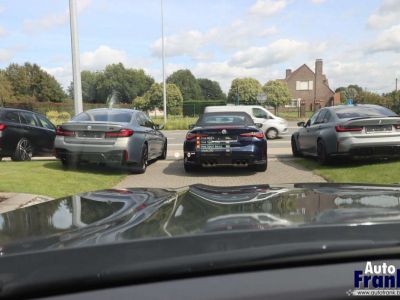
column 348, row 130
column 112, row 136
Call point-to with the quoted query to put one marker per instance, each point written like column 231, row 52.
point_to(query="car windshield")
column 181, row 129
column 104, row 116
column 225, row 119
column 364, row 112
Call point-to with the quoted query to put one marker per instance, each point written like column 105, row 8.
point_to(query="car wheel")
column 1, row 158
column 189, row 168
column 322, row 156
column 141, row 168
column 164, row 153
column 272, row 133
column 295, row 151
column 23, row 151
column 261, row 167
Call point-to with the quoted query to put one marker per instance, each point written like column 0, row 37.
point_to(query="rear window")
column 105, row 116
column 352, row 112
column 226, row 119
column 11, row 116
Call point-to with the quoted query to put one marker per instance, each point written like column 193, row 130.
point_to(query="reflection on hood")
column 110, row 216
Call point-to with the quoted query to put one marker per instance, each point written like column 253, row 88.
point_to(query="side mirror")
column 301, row 124
column 259, row 125
column 160, row 127
column 191, row 126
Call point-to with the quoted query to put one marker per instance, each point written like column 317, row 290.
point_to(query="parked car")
column 272, row 125
column 24, row 134
column 225, row 139
column 348, row 130
column 113, row 136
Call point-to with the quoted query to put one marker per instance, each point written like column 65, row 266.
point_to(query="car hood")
column 110, row 216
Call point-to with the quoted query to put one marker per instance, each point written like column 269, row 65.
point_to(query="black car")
column 225, row 139
column 25, row 133
column 258, row 242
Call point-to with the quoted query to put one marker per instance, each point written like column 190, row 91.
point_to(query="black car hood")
column 110, row 216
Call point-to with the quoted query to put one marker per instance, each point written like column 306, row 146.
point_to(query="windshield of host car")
column 164, row 120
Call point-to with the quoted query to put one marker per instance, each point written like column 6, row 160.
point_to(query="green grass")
column 176, row 122
column 293, row 115
column 49, row 178
column 378, row 172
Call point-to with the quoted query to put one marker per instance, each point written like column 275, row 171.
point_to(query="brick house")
column 301, row 86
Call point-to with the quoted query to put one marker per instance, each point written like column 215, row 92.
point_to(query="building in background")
column 310, row 86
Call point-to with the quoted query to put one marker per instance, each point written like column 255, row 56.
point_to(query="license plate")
column 211, row 144
column 91, row 134
column 378, row 128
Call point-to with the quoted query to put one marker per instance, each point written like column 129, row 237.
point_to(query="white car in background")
column 272, row 125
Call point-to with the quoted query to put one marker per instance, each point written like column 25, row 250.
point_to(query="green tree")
column 174, row 98
column 6, row 91
column 277, row 93
column 186, row 83
column 210, row 90
column 246, row 88
column 30, row 81
column 142, row 103
column 373, row 98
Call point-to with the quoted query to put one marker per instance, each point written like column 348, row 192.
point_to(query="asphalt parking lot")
column 170, row 173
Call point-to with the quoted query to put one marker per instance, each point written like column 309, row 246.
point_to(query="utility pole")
column 76, row 70
column 163, row 64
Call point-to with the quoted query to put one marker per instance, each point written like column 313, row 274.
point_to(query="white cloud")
column 267, row 8
column 387, row 14
column 387, row 40
column 6, row 55
column 102, row 56
column 3, row 32
column 51, row 21
column 276, row 52
column 317, row 1
column 62, row 74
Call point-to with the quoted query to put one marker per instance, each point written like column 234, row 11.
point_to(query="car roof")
column 342, row 106
column 19, row 109
column 112, row 109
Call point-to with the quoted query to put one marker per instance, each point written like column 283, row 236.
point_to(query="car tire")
column 144, row 159
column 295, row 151
column 164, row 153
column 322, row 156
column 189, row 168
column 1, row 158
column 23, row 150
column 271, row 134
column 261, row 167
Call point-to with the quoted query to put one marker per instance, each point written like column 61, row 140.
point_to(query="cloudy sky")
column 359, row 40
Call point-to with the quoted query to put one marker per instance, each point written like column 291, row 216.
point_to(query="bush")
column 58, row 118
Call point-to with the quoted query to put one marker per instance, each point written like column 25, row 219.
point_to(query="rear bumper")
column 112, row 157
column 371, row 151
column 369, row 146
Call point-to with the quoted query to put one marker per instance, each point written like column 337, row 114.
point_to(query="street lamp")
column 76, row 70
column 163, row 63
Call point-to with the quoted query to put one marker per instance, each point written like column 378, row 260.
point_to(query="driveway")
column 170, row 173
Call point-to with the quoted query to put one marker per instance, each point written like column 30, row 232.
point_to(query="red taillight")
column 121, row 133
column 2, row 126
column 397, row 126
column 340, row 128
column 62, row 132
column 191, row 136
column 258, row 135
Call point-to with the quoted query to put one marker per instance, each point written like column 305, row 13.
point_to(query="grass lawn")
column 48, row 178
column 176, row 122
column 377, row 172
column 293, row 115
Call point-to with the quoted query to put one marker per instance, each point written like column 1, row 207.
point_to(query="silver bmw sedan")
column 349, row 130
column 112, row 136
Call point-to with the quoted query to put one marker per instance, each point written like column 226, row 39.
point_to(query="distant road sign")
column 349, row 101
column 262, row 97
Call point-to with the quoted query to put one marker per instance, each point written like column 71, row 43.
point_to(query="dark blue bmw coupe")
column 225, row 139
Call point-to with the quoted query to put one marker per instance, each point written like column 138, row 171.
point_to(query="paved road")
column 280, row 146
column 170, row 173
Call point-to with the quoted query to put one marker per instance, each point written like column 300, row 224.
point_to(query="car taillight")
column 340, row 128
column 258, row 135
column 397, row 126
column 121, row 133
column 191, row 136
column 2, row 126
column 62, row 132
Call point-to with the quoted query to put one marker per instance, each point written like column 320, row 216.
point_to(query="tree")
column 30, row 81
column 373, row 98
column 142, row 103
column 210, row 90
column 6, row 91
column 277, row 93
column 246, row 88
column 154, row 98
column 186, row 83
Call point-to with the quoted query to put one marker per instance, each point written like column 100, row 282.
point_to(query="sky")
column 358, row 40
